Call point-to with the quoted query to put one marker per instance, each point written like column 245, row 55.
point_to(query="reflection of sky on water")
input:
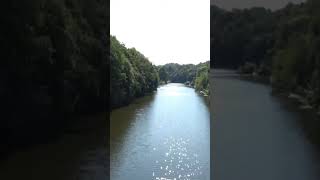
column 163, row 136
column 173, row 89
column 177, row 162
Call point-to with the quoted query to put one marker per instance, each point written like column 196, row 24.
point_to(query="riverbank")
column 147, row 140
column 301, row 98
column 309, row 119
column 203, row 92
column 310, row 115
column 128, row 102
column 260, row 130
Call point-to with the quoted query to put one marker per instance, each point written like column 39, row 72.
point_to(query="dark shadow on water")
column 80, row 152
column 119, row 124
column 282, row 139
column 308, row 121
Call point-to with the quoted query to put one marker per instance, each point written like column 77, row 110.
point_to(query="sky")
column 270, row 4
column 165, row 31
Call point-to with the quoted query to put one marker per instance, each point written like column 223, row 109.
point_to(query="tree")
column 132, row 74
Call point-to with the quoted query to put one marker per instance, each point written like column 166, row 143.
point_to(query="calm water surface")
column 162, row 136
column 257, row 135
column 77, row 154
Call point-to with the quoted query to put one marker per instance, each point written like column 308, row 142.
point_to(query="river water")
column 78, row 154
column 257, row 135
column 165, row 135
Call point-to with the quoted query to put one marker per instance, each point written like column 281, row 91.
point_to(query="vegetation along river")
column 165, row 135
column 257, row 135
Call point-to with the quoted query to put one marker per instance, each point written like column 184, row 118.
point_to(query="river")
column 257, row 135
column 254, row 135
column 78, row 154
column 165, row 135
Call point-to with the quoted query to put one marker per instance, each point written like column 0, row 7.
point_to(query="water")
column 162, row 136
column 256, row 136
column 78, row 154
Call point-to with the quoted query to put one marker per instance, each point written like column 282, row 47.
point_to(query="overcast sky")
column 165, row 31
column 271, row 4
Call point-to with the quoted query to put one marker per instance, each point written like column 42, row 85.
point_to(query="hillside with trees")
column 201, row 82
column 283, row 45
column 240, row 36
column 53, row 66
column 132, row 74
column 177, row 73
column 193, row 75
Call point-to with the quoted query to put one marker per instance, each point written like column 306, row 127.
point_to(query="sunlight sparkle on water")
column 178, row 162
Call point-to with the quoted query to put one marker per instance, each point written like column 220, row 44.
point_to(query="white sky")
column 164, row 31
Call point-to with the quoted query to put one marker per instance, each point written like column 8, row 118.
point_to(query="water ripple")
column 178, row 162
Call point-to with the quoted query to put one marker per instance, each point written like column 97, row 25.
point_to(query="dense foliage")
column 132, row 75
column 53, row 64
column 177, row 73
column 296, row 55
column 195, row 75
column 284, row 44
column 240, row 36
column 202, row 77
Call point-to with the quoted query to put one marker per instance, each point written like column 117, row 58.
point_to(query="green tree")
column 163, row 75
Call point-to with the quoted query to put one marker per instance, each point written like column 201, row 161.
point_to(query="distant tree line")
column 194, row 75
column 282, row 44
column 177, row 73
column 132, row 75
column 53, row 65
column 240, row 36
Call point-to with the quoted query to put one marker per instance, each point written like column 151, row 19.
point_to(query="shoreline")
column 300, row 100
column 204, row 93
column 310, row 116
